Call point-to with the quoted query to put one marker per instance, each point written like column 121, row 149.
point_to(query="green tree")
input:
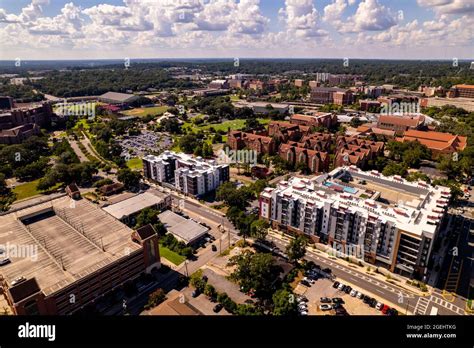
column 259, row 229
column 284, row 303
column 296, row 249
column 129, row 178
column 253, row 271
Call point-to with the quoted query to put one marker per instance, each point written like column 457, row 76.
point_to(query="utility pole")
column 186, row 266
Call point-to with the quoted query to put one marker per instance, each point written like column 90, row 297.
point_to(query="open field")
column 142, row 112
column 135, row 163
column 29, row 189
column 232, row 124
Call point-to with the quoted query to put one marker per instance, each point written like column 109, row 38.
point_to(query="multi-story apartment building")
column 461, row 91
column 191, row 175
column 394, row 223
column 331, row 95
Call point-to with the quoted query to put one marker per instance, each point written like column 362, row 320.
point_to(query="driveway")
column 223, row 285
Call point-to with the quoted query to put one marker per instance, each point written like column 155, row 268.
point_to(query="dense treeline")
column 99, row 81
column 140, row 76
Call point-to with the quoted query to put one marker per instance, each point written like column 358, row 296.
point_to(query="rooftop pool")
column 338, row 187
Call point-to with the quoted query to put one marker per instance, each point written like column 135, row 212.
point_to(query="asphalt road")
column 383, row 291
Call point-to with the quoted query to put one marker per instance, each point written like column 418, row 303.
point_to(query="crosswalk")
column 364, row 277
column 421, row 306
column 424, row 302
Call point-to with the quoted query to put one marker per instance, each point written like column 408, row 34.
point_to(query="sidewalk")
column 362, row 269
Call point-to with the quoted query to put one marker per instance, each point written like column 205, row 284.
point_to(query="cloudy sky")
column 72, row 29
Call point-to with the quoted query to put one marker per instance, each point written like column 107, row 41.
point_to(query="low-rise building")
column 317, row 119
column 184, row 230
column 439, row 143
column 116, row 98
column 400, row 124
column 391, row 222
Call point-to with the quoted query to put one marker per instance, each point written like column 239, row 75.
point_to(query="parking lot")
column 317, row 288
column 139, row 145
column 202, row 303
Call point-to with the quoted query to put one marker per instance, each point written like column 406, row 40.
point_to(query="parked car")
column 366, row 299
column 353, row 293
column 302, row 299
column 309, row 280
column 304, row 313
column 337, row 300
column 4, row 262
column 305, row 283
column 341, row 287
column 325, row 300
column 348, row 289
column 217, row 308
column 335, row 285
column 385, row 309
column 325, row 307
column 213, row 247
column 336, row 305
column 360, row 295
column 373, row 302
column 379, row 306
column 392, row 311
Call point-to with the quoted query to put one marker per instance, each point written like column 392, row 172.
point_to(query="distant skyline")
column 118, row 29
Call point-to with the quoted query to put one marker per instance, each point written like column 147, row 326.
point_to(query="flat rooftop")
column 134, row 204
column 415, row 207
column 62, row 242
column 183, row 229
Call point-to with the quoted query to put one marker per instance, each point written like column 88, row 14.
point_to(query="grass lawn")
column 29, row 190
column 142, row 112
column 232, row 124
column 135, row 163
column 235, row 98
column 171, row 255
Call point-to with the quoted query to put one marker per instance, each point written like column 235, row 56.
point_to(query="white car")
column 353, row 293
column 309, row 280
column 304, row 313
column 379, row 306
column 340, row 287
column 359, row 295
column 325, row 307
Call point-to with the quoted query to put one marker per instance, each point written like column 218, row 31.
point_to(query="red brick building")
column 238, row 140
column 315, row 160
column 356, row 151
column 318, row 119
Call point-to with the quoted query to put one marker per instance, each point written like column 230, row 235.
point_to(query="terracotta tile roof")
column 436, row 140
column 465, row 86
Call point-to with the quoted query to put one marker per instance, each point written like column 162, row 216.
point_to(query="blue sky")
column 69, row 29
